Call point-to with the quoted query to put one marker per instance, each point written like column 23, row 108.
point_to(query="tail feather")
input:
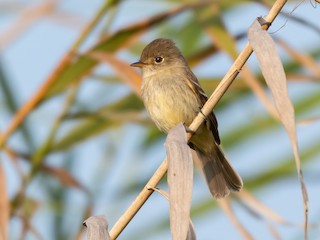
column 221, row 177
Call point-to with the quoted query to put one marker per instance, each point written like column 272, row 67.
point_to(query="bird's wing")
column 211, row 122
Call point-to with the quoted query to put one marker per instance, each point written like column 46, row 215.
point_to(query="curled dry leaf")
column 274, row 75
column 207, row 109
column 180, row 180
column 97, row 228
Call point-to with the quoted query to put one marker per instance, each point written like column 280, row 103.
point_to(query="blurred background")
column 88, row 146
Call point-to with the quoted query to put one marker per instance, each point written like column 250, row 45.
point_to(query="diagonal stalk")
column 33, row 102
column 206, row 110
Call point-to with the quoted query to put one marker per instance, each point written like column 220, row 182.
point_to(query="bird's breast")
column 169, row 100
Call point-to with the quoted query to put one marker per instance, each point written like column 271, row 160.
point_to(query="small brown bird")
column 172, row 94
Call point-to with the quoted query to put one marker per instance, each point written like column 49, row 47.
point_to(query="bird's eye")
column 158, row 60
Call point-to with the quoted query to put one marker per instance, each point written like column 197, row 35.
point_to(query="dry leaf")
column 257, row 88
column 262, row 212
column 4, row 206
column 220, row 36
column 301, row 58
column 274, row 75
column 65, row 177
column 302, row 77
column 180, row 180
column 226, row 207
column 248, row 199
column 28, row 17
column 123, row 70
column 28, row 228
column 191, row 232
column 309, row 121
column 97, row 228
column 69, row 71
column 274, row 231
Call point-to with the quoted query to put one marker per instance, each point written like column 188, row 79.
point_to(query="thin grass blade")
column 4, row 205
column 226, row 207
column 122, row 69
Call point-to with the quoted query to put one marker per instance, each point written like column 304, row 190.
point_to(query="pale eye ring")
column 158, row 60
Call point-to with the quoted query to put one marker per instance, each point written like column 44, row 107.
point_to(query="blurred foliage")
column 201, row 31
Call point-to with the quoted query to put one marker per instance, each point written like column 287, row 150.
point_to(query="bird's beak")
column 138, row 64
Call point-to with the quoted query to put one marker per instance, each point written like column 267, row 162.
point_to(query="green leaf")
column 264, row 124
column 211, row 21
column 82, row 65
column 96, row 122
column 10, row 98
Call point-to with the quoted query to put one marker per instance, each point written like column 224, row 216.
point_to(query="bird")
column 172, row 94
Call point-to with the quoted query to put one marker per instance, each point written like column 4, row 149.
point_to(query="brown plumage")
column 172, row 94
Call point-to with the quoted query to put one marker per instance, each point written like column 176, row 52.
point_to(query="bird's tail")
column 221, row 177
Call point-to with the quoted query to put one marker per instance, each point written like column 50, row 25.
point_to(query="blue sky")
column 33, row 56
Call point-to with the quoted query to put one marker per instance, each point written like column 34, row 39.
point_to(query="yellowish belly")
column 170, row 103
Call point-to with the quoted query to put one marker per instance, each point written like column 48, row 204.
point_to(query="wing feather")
column 211, row 122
